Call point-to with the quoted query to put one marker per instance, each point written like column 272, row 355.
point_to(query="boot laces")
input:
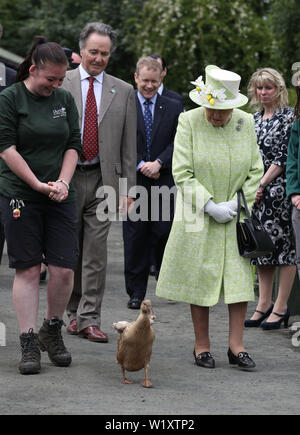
column 30, row 346
column 55, row 332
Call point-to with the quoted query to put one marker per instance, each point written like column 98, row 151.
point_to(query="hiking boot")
column 51, row 340
column 30, row 363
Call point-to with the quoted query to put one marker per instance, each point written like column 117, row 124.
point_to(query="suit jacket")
column 10, row 77
column 165, row 121
column 117, row 129
column 171, row 94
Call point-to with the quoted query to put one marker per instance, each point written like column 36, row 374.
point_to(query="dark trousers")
column 139, row 239
column 143, row 240
column 296, row 228
column 2, row 238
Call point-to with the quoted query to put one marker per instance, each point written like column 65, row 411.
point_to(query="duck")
column 135, row 343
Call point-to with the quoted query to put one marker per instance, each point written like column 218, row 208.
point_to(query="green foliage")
column 190, row 34
column 292, row 97
column 284, row 19
column 62, row 21
column 13, row 15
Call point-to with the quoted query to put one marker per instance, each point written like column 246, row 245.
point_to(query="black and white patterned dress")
column 274, row 210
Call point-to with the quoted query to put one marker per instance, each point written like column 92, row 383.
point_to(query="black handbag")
column 252, row 238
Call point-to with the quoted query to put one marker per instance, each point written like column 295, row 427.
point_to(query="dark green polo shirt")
column 293, row 161
column 43, row 129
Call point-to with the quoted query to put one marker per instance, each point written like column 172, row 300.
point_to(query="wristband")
column 64, row 182
column 262, row 187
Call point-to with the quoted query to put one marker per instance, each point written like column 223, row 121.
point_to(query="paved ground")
column 93, row 384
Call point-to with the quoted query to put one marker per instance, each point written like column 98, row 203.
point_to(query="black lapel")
column 140, row 116
column 158, row 114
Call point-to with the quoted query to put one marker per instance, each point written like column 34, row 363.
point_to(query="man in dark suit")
column 162, row 90
column 7, row 78
column 10, row 78
column 157, row 118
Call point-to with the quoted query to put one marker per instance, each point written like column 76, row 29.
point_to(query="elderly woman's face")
column 218, row 118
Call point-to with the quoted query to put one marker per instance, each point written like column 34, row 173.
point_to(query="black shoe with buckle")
column 204, row 359
column 242, row 359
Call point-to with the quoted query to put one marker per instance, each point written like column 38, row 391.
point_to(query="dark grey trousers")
column 296, row 228
column 2, row 238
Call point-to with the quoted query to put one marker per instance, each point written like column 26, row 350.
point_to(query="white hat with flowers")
column 221, row 90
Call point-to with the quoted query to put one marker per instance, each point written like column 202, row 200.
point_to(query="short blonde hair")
column 148, row 62
column 268, row 76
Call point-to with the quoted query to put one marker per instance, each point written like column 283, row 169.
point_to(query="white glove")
column 231, row 204
column 220, row 213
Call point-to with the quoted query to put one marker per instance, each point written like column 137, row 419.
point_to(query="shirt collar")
column 160, row 89
column 143, row 99
column 85, row 75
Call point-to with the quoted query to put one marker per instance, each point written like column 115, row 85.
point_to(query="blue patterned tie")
column 148, row 125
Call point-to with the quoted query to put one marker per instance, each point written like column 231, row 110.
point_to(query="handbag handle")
column 240, row 194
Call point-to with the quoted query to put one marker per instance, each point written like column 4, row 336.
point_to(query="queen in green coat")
column 215, row 155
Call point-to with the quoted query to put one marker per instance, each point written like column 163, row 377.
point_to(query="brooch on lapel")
column 113, row 91
column 240, row 124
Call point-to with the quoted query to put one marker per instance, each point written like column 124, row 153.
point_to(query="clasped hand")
column 56, row 191
column 151, row 169
column 222, row 212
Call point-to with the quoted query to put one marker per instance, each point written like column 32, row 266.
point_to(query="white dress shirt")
column 152, row 108
column 160, row 89
column 84, row 81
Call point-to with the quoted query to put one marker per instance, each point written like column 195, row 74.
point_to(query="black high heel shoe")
column 276, row 325
column 256, row 323
column 205, row 359
column 242, row 359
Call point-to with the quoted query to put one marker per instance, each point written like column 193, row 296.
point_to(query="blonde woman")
column 273, row 123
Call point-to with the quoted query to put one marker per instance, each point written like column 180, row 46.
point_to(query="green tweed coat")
column 201, row 260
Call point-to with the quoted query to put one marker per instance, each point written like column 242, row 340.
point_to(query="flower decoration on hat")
column 207, row 93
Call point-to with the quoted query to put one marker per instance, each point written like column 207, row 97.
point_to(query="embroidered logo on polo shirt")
column 59, row 113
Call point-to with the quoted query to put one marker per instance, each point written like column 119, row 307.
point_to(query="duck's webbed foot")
column 125, row 380
column 146, row 382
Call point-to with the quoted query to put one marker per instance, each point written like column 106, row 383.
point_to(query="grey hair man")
column 100, row 29
column 107, row 115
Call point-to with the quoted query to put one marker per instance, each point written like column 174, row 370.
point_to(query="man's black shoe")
column 134, row 303
column 152, row 270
